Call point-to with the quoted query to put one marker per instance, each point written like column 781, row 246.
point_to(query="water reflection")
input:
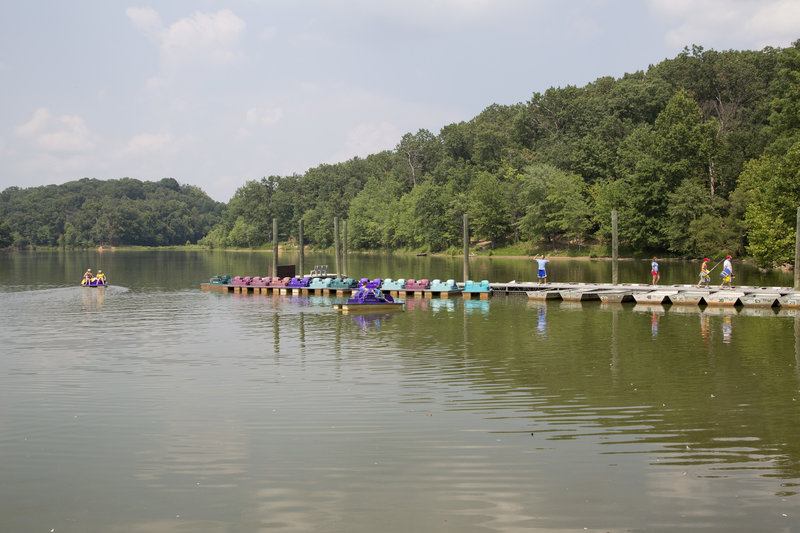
column 413, row 303
column 541, row 319
column 655, row 318
column 445, row 305
column 727, row 328
column 371, row 321
column 94, row 298
column 476, row 306
column 522, row 416
column 705, row 326
column 797, row 342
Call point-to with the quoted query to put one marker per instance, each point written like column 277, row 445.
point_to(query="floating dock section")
column 641, row 294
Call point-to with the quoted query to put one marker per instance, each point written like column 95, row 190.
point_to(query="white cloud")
column 368, row 138
column 264, row 116
column 148, row 143
column 154, row 83
column 147, row 20
column 201, row 38
column 216, row 37
column 65, row 133
column 728, row 22
column 583, row 29
column 443, row 14
column 269, row 33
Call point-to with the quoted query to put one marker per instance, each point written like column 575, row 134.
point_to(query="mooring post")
column 466, row 247
column 797, row 254
column 300, row 239
column 344, row 248
column 274, row 246
column 336, row 246
column 614, row 249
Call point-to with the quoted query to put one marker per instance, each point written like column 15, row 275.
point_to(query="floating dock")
column 641, row 294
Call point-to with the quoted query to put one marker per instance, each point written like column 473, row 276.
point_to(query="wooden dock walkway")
column 644, row 294
column 660, row 294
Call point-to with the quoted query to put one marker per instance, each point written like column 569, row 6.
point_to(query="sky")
column 216, row 93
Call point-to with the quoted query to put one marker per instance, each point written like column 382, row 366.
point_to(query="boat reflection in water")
column 442, row 305
column 476, row 306
column 371, row 321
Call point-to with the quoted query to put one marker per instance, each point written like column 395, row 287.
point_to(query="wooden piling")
column 300, row 243
column 614, row 249
column 336, row 246
column 274, row 246
column 344, row 248
column 466, row 247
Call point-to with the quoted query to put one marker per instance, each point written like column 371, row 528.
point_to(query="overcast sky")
column 215, row 93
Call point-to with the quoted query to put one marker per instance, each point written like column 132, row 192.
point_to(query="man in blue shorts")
column 542, row 273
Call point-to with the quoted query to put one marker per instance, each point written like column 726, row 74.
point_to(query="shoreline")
column 281, row 249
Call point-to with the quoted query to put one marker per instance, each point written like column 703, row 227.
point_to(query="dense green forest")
column 699, row 154
column 92, row 212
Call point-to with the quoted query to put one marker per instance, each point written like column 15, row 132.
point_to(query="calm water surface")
column 150, row 406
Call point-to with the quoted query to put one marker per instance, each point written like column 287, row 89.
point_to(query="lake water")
column 150, row 406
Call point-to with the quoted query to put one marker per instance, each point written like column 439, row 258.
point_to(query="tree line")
column 91, row 212
column 698, row 154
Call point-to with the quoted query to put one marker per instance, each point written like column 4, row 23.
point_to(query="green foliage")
column 698, row 154
column 664, row 147
column 772, row 185
column 687, row 204
column 6, row 237
column 92, row 212
column 554, row 204
column 487, row 209
column 372, row 214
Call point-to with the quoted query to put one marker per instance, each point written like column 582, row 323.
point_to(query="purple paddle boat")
column 367, row 300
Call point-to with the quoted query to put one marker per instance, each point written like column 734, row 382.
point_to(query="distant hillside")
column 698, row 154
column 91, row 212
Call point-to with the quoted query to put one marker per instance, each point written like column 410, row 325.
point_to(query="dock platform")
column 607, row 293
column 644, row 294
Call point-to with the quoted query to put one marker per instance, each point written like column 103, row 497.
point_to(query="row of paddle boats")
column 328, row 283
column 367, row 294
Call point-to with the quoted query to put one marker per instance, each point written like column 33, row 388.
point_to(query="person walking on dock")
column 542, row 273
column 727, row 273
column 704, row 274
column 654, row 271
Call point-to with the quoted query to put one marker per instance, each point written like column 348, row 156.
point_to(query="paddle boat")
column 369, row 300
column 241, row 281
column 344, row 284
column 94, row 282
column 298, row 282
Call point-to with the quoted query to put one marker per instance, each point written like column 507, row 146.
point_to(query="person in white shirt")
column 542, row 273
column 727, row 273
